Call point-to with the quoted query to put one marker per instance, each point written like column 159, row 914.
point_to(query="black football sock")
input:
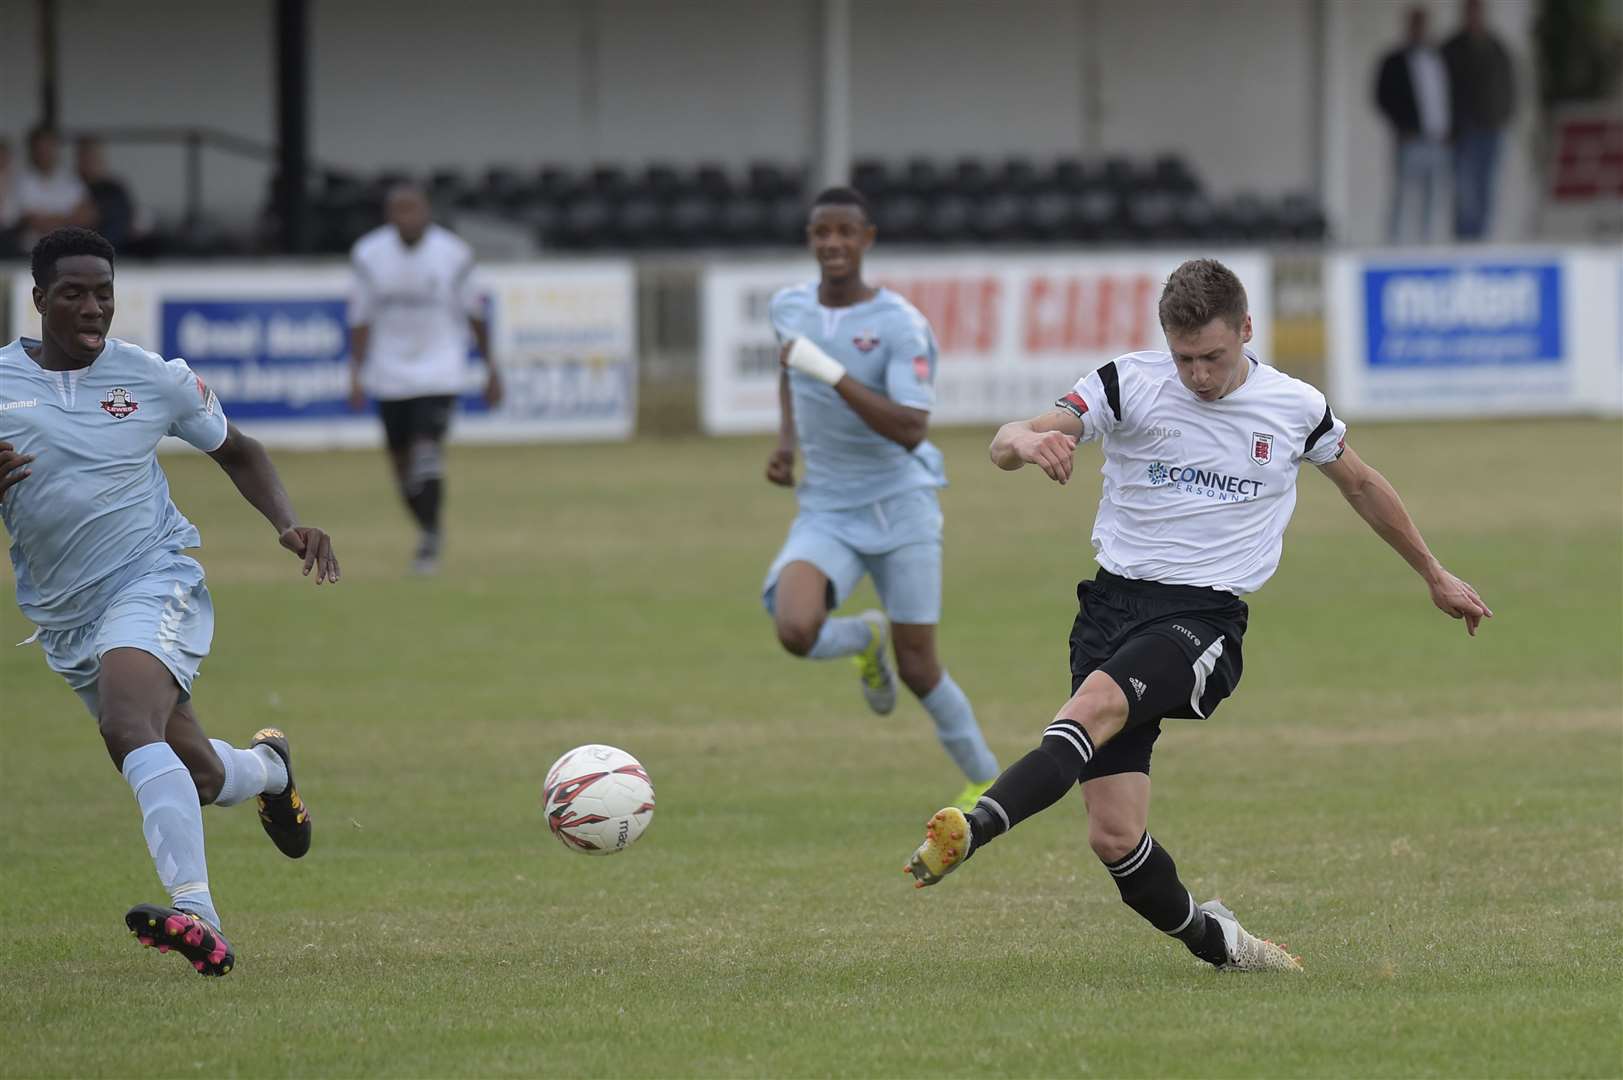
column 1034, row 783
column 1148, row 880
column 424, row 500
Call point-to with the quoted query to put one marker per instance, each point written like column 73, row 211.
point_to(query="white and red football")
column 598, row 799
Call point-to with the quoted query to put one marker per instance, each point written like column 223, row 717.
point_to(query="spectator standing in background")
column 115, row 209
column 1411, row 91
column 48, row 194
column 412, row 306
column 8, row 205
column 1482, row 88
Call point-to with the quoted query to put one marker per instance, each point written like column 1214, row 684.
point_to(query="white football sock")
column 256, row 771
column 960, row 735
column 172, row 820
column 841, row 637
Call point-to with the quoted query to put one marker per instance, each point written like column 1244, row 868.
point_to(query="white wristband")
column 810, row 360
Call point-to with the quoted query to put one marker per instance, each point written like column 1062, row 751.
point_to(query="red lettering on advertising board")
column 1088, row 313
column 963, row 311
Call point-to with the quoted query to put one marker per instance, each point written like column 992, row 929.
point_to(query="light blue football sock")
column 960, row 735
column 172, row 820
column 841, row 637
column 257, row 771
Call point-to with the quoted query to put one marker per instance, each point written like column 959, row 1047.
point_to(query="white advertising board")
column 273, row 343
column 1466, row 332
column 1015, row 332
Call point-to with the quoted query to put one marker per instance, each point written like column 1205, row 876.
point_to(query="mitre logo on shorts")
column 118, row 403
column 1262, row 448
column 866, row 342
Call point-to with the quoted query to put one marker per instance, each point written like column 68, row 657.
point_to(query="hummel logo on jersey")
column 25, row 403
column 866, row 342
column 1138, row 687
column 118, row 403
column 1262, row 448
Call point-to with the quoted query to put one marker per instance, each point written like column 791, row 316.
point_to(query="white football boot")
column 1247, row 952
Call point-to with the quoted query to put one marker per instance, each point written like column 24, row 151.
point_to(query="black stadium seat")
column 871, row 178
column 900, row 217
column 922, row 179
column 744, row 221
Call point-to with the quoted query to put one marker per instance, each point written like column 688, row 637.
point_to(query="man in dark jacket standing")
column 1411, row 90
column 1482, row 86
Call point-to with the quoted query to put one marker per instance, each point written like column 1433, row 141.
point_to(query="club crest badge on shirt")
column 119, row 404
column 1262, row 448
column 866, row 341
column 921, row 368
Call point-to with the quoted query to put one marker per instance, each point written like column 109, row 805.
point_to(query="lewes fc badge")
column 118, row 403
column 866, row 342
column 1262, row 448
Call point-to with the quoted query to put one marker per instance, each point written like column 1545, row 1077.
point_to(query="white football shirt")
column 1197, row 492
column 417, row 301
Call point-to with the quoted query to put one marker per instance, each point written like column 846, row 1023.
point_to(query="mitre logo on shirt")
column 119, row 404
column 1207, row 483
column 866, row 342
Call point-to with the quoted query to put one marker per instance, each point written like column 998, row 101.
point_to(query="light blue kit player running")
column 122, row 612
column 859, row 364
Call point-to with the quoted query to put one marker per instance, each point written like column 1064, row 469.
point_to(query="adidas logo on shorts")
column 1138, row 687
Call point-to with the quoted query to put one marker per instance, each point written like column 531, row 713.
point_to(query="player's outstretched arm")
column 244, row 460
column 1377, row 502
column 899, row 423
column 494, row 390
column 1047, row 441
column 780, row 467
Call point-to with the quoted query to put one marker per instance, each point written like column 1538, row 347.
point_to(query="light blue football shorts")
column 166, row 611
column 896, row 541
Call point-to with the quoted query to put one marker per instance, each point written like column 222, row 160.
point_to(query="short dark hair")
column 63, row 243
column 1199, row 291
column 841, row 195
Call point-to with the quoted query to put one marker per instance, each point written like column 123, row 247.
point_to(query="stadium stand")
column 663, row 206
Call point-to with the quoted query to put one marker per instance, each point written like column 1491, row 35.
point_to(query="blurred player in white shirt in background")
column 412, row 307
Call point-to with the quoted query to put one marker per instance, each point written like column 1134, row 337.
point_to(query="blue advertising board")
column 1462, row 314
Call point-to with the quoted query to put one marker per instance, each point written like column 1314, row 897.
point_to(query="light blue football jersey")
column 886, row 345
column 95, row 509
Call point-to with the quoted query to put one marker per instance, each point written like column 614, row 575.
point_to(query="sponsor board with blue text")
column 1467, row 332
column 273, row 344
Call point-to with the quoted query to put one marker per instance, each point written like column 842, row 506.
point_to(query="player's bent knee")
column 797, row 635
column 919, row 671
column 1098, row 705
column 1112, row 841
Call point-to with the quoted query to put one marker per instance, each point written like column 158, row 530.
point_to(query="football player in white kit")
column 412, row 307
column 1202, row 444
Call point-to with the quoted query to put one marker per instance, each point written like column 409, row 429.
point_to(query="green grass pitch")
column 1434, row 822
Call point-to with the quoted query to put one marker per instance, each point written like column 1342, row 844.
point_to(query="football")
column 598, row 799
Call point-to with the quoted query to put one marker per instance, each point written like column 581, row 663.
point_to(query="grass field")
column 1434, row 822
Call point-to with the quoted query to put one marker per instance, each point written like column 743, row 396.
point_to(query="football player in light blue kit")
column 99, row 553
column 859, row 363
